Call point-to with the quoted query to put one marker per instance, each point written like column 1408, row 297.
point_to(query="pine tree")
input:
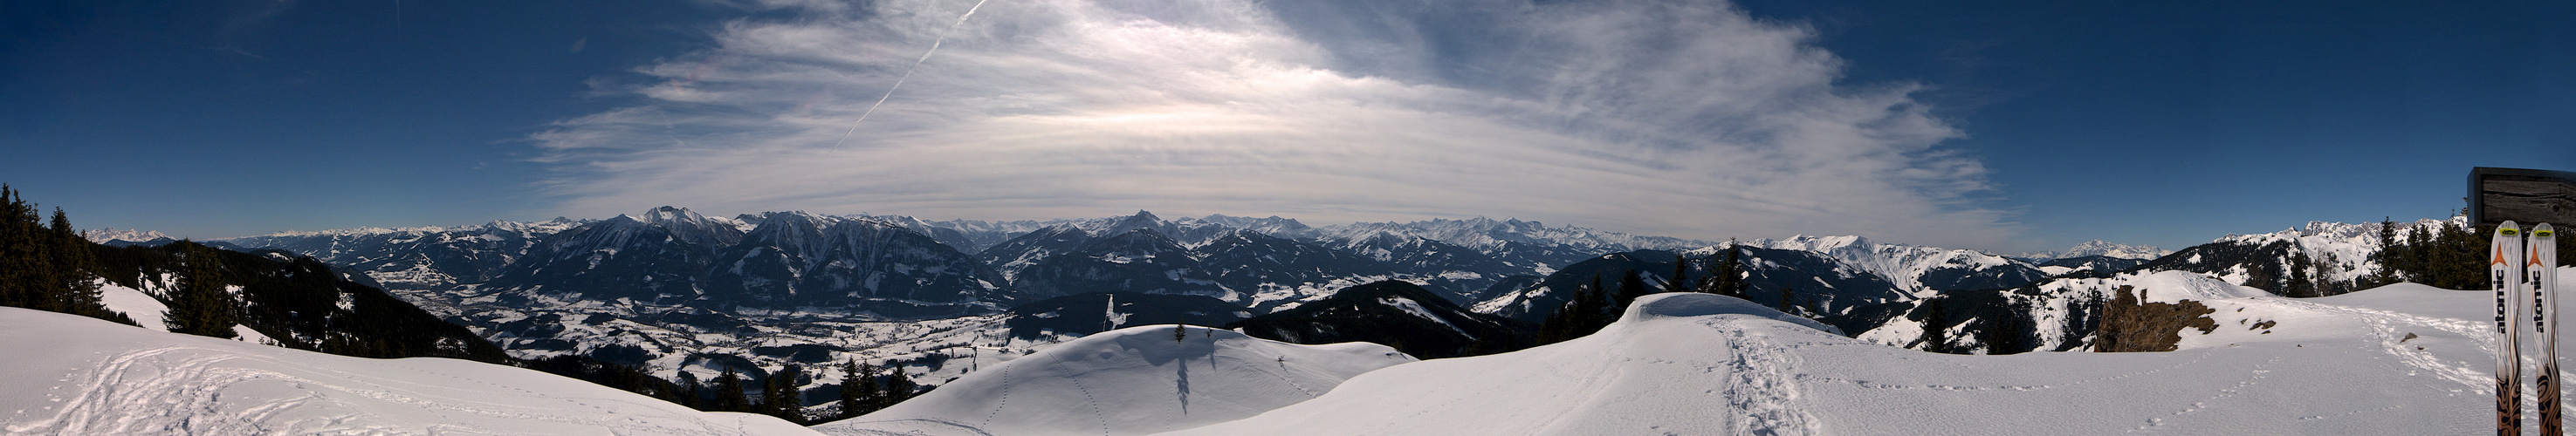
column 1582, row 314
column 25, row 270
column 1727, row 277
column 1553, row 328
column 2010, row 334
column 899, row 387
column 689, row 391
column 779, row 396
column 729, row 394
column 2261, row 276
column 201, row 306
column 1680, row 280
column 2300, row 284
column 2323, row 275
column 2083, row 317
column 16, row 289
column 1632, row 284
column 78, row 273
column 2419, row 255
column 11, row 265
column 872, row 379
column 1935, row 329
column 856, row 389
column 2455, row 258
column 2387, row 256
column 1595, row 307
column 1180, row 333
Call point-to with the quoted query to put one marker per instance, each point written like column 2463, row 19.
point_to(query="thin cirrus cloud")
column 1666, row 118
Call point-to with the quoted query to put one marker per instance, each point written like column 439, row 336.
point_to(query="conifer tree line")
column 864, row 388
column 867, row 388
column 1595, row 306
column 2447, row 256
column 47, row 266
column 1994, row 321
column 1590, row 309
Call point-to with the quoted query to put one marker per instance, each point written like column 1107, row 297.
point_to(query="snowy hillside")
column 1135, row 380
column 2057, row 315
column 117, row 379
column 2402, row 359
column 2342, row 249
column 1915, row 269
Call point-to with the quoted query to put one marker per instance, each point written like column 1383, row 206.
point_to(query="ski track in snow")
column 1093, row 401
column 2253, row 377
column 185, row 386
column 1283, row 378
column 1763, row 386
column 2197, row 359
column 2385, row 332
column 1005, row 397
column 108, row 389
column 1591, row 388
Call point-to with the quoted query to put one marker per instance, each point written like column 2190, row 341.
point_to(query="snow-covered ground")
column 73, row 375
column 134, row 303
column 2403, row 359
column 1135, row 380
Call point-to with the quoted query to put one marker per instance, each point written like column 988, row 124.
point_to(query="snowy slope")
column 118, row 379
column 2341, row 252
column 1134, row 380
column 2059, row 302
column 134, row 303
column 2402, row 359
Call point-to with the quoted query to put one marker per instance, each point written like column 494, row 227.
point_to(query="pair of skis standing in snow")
column 2519, row 267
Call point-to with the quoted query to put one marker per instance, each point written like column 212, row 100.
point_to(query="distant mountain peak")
column 2099, row 247
column 667, row 215
column 113, row 234
column 1817, row 243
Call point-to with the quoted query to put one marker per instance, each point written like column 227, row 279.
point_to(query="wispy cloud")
column 1685, row 119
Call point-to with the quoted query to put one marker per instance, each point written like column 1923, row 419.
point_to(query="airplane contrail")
column 907, row 72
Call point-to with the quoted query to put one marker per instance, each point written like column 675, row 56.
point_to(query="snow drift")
column 68, row 374
column 2394, row 360
column 1135, row 380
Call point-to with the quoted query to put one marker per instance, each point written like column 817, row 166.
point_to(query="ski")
column 2504, row 272
column 2543, row 281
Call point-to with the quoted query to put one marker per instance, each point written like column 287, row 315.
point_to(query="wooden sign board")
column 2524, row 196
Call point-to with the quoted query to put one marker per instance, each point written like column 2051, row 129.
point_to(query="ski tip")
column 2542, row 231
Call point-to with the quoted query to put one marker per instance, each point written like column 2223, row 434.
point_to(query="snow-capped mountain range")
column 680, row 292
column 686, row 295
column 669, row 288
column 1917, row 269
column 2099, row 248
column 129, row 235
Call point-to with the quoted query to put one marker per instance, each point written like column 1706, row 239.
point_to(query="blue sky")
column 1988, row 125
